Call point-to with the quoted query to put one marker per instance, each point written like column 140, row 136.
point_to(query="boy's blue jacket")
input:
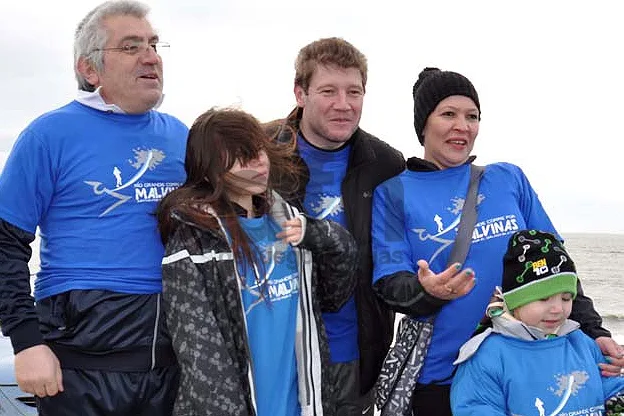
column 515, row 369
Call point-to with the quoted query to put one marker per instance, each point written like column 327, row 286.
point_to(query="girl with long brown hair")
column 246, row 277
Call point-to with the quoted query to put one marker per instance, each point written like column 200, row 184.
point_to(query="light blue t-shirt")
column 270, row 299
column 323, row 200
column 91, row 181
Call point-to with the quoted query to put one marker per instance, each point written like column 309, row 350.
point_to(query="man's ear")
column 87, row 70
column 300, row 96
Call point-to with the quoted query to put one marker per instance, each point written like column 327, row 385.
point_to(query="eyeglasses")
column 134, row 48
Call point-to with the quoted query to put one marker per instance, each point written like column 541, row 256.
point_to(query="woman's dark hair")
column 217, row 139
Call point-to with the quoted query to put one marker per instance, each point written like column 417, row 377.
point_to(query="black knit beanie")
column 433, row 86
column 536, row 266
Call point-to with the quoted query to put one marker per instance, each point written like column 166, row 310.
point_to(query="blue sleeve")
column 391, row 249
column 531, row 207
column 488, row 399
column 612, row 386
column 27, row 182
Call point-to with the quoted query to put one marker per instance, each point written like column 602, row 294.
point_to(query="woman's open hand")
column 452, row 283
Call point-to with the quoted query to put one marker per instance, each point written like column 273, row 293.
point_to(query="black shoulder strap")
column 468, row 218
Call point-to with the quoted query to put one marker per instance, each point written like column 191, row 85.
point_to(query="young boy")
column 534, row 360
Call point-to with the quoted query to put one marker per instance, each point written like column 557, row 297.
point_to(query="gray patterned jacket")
column 205, row 317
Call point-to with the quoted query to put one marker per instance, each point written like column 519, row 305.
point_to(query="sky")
column 548, row 74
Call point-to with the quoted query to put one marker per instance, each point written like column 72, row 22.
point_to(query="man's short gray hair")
column 91, row 34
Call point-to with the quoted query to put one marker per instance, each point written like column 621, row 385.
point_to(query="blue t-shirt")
column 323, row 200
column 517, row 377
column 415, row 216
column 270, row 299
column 91, row 181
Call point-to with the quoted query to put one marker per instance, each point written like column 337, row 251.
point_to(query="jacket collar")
column 513, row 329
column 505, row 324
column 510, row 326
column 95, row 100
column 280, row 211
column 421, row 165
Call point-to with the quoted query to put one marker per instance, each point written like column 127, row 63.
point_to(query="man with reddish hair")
column 343, row 164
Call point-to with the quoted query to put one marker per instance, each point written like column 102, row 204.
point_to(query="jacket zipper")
column 155, row 331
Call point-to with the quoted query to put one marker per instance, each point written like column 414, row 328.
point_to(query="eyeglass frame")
column 126, row 49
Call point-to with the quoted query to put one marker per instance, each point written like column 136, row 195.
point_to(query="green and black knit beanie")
column 536, row 266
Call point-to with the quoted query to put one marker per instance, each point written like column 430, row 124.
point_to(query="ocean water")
column 599, row 260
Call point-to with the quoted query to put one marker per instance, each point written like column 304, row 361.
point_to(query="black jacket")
column 371, row 162
column 403, row 291
column 18, row 316
column 206, row 318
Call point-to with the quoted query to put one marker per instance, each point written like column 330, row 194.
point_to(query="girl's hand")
column 292, row 231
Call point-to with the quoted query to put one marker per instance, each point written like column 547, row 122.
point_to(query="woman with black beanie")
column 415, row 219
